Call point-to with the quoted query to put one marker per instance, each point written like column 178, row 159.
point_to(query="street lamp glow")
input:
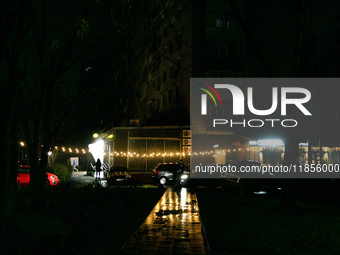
column 95, row 135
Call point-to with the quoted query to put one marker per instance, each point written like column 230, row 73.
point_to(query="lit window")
column 219, row 23
column 222, row 23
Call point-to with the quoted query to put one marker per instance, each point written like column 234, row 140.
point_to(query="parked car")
column 24, row 177
column 249, row 182
column 165, row 173
column 118, row 175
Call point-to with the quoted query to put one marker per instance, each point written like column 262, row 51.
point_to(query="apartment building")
column 189, row 39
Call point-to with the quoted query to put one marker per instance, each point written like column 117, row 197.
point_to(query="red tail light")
column 157, row 171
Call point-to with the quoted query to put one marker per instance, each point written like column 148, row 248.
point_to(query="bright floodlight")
column 270, row 143
column 252, row 143
column 95, row 135
column 97, row 150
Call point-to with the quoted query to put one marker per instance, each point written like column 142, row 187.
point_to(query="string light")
column 161, row 154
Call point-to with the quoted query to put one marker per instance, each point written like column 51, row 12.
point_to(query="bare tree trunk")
column 292, row 142
column 15, row 25
column 250, row 37
column 298, row 38
column 9, row 157
column 290, row 158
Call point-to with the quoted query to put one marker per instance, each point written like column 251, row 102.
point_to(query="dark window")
column 156, row 62
column 152, row 106
column 223, row 49
column 159, row 82
column 153, row 85
column 171, row 95
column 178, row 63
column 158, row 104
column 164, row 99
column 177, row 68
column 165, row 76
column 144, row 72
column 170, row 47
column 240, row 50
column 212, row 49
column 144, row 91
column 178, row 42
column 177, row 95
column 171, row 71
column 217, row 49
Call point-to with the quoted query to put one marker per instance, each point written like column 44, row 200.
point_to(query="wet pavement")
column 79, row 178
column 173, row 227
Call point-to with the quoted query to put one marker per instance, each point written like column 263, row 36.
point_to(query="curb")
column 205, row 238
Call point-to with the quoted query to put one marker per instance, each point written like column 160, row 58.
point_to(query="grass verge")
column 76, row 221
column 254, row 224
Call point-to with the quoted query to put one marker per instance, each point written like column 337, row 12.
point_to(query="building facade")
column 190, row 39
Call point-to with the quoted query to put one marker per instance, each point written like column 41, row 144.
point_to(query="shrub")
column 62, row 171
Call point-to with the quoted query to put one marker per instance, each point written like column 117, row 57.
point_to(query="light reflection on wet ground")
column 80, row 179
column 172, row 227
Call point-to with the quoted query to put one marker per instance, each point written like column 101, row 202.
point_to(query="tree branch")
column 82, row 91
column 251, row 38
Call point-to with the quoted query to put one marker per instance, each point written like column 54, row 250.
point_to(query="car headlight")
column 184, row 176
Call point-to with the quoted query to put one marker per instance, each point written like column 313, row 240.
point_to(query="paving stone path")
column 173, row 227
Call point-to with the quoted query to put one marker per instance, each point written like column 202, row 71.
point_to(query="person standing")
column 89, row 171
column 98, row 168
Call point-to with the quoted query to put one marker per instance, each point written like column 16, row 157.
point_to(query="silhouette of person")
column 181, row 163
column 89, row 170
column 179, row 171
column 98, row 165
